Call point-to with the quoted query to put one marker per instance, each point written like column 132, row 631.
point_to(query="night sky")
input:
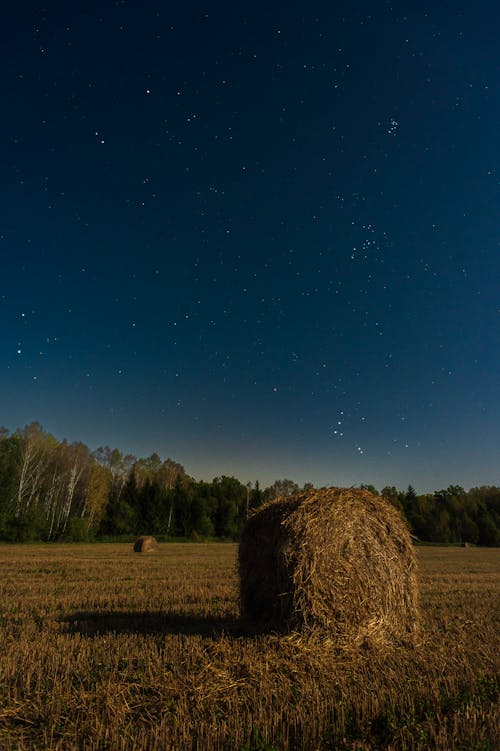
column 260, row 239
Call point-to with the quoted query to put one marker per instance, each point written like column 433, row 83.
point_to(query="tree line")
column 54, row 490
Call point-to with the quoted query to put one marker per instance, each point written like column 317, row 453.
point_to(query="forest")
column 52, row 490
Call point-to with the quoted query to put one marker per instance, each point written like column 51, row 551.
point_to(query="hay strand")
column 145, row 544
column 334, row 560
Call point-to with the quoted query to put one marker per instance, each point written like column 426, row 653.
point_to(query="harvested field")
column 104, row 649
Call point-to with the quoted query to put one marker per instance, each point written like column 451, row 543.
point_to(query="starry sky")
column 261, row 239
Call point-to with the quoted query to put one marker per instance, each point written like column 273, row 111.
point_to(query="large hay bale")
column 145, row 544
column 335, row 560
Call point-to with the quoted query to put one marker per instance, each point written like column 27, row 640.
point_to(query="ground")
column 103, row 648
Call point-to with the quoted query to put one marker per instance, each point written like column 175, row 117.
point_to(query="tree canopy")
column 53, row 490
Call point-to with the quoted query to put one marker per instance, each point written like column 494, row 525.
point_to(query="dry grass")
column 145, row 544
column 335, row 560
column 104, row 649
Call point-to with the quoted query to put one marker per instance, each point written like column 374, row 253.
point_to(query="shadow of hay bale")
column 96, row 623
column 145, row 544
column 337, row 561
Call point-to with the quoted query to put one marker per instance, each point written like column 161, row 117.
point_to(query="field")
column 101, row 648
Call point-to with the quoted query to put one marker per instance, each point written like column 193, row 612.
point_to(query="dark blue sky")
column 261, row 240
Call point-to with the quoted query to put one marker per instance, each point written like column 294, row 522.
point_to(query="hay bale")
column 334, row 560
column 145, row 544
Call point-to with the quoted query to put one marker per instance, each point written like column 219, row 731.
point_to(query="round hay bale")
column 335, row 560
column 145, row 544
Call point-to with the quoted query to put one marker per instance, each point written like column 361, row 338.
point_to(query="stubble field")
column 102, row 648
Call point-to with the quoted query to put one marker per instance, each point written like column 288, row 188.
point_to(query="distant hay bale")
column 145, row 544
column 333, row 560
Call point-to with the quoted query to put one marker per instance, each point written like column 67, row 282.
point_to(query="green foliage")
column 79, row 530
column 55, row 490
column 371, row 488
column 119, row 518
column 281, row 487
column 9, row 458
column 391, row 494
column 29, row 526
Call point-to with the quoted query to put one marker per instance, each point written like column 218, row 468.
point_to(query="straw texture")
column 334, row 560
column 145, row 544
